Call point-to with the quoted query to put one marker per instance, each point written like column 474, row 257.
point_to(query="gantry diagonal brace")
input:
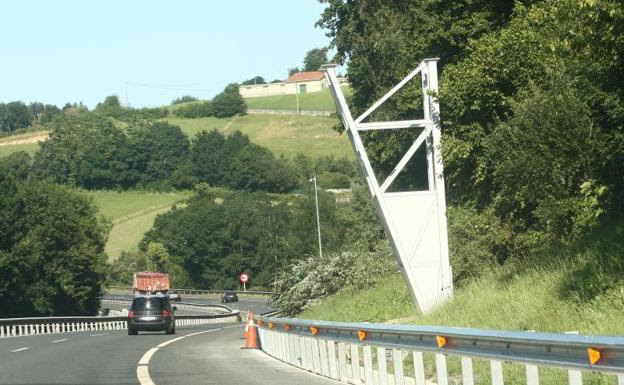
column 415, row 221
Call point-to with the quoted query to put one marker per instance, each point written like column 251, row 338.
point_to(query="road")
column 208, row 354
column 256, row 305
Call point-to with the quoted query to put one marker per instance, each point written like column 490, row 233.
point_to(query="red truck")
column 150, row 283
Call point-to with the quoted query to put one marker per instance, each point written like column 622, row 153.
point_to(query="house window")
column 302, row 88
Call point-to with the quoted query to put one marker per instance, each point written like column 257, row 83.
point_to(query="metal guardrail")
column 201, row 291
column 14, row 327
column 208, row 308
column 333, row 349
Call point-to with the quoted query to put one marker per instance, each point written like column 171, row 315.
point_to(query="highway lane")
column 256, row 305
column 213, row 357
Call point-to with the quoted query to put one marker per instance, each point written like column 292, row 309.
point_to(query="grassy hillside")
column 284, row 135
column 315, row 101
column 132, row 213
column 21, row 142
column 503, row 300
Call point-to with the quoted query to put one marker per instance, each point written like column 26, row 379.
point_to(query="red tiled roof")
column 306, row 76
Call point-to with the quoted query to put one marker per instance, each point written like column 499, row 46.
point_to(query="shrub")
column 194, row 110
column 229, row 102
column 312, row 279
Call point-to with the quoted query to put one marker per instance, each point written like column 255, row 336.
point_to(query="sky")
column 148, row 52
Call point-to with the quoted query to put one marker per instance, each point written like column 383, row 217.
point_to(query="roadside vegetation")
column 532, row 144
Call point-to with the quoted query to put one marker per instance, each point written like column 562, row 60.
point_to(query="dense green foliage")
column 184, row 99
column 17, row 115
column 229, row 102
column 314, row 59
column 253, row 81
column 533, row 119
column 51, row 246
column 216, row 237
column 194, row 110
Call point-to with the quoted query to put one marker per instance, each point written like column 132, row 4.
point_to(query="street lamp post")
column 318, row 221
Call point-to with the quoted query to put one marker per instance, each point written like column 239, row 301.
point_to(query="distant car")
column 175, row 297
column 151, row 313
column 229, row 296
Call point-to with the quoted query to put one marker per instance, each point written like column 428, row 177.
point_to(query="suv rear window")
column 151, row 303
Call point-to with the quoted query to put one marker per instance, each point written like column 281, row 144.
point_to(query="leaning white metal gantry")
column 415, row 221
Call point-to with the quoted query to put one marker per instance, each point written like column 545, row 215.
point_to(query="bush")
column 184, row 99
column 194, row 110
column 229, row 102
column 312, row 279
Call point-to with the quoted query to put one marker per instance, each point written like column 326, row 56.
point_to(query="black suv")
column 151, row 313
column 229, row 296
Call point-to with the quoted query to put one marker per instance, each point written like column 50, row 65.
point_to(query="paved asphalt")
column 111, row 357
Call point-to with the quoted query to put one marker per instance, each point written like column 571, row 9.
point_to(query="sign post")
column 244, row 278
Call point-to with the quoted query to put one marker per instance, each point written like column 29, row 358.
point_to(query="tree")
column 314, row 59
column 156, row 257
column 293, row 70
column 229, row 102
column 254, row 80
column 158, row 151
column 111, row 101
column 14, row 116
column 51, row 250
column 184, row 99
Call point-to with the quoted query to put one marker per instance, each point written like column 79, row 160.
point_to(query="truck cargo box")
column 150, row 282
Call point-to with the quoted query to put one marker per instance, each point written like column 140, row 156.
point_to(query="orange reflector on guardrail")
column 260, row 322
column 361, row 335
column 286, row 327
column 594, row 355
column 441, row 341
column 314, row 330
column 270, row 325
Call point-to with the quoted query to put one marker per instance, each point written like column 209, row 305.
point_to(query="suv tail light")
column 131, row 314
column 165, row 313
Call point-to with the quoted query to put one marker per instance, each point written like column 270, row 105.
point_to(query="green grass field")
column 132, row 213
column 311, row 101
column 30, row 148
column 283, row 134
column 7, row 145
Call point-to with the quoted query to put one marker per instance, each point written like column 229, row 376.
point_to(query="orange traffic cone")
column 249, row 317
column 252, row 337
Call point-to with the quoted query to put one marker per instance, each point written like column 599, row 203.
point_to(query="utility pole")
column 297, row 93
column 318, row 221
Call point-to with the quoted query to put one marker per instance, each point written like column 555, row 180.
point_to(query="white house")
column 300, row 82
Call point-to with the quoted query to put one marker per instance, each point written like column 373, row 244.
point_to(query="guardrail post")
column 355, row 363
column 397, row 358
column 316, row 359
column 324, row 361
column 382, row 366
column 331, row 353
column 342, row 361
column 368, row 365
column 496, row 368
column 441, row 373
column 532, row 375
column 467, row 374
column 419, row 369
column 620, row 379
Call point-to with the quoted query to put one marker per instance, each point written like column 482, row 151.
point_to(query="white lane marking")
column 20, row 349
column 143, row 375
column 97, row 335
column 168, row 342
column 61, row 340
column 147, row 356
column 205, row 331
column 143, row 367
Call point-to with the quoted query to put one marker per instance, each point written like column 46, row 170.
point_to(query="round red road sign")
column 244, row 277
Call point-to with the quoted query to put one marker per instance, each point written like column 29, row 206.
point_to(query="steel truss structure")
column 415, row 221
